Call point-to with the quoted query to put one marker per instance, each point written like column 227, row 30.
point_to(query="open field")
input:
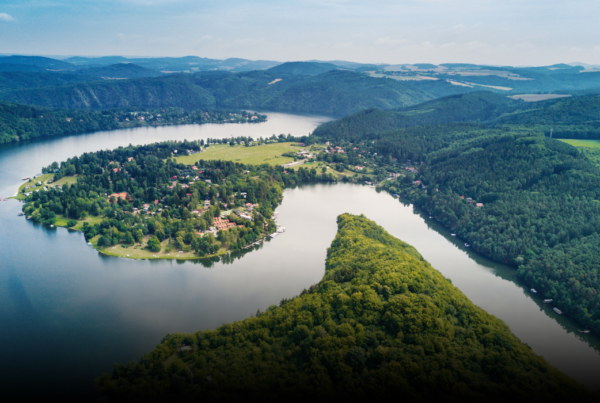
column 65, row 180
column 591, row 148
column 138, row 251
column 44, row 179
column 257, row 155
column 537, row 97
column 61, row 221
column 582, row 143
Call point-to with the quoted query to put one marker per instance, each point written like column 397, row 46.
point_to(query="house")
column 130, row 159
column 155, row 202
column 122, row 195
column 359, row 168
column 479, row 205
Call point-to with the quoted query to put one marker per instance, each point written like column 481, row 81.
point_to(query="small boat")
column 51, row 225
column 547, row 301
column 584, row 331
column 430, row 217
column 467, row 245
column 558, row 311
column 533, row 291
column 452, row 234
column 26, row 178
column 21, row 214
column 89, row 243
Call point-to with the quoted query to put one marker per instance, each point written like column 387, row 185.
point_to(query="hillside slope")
column 576, row 117
column 382, row 323
column 334, row 93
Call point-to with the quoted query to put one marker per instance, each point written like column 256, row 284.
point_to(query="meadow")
column 270, row 154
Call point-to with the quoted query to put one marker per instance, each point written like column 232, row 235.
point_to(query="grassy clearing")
column 139, row 251
column 31, row 182
column 44, row 179
column 257, row 155
column 65, row 180
column 582, row 143
column 61, row 221
column 591, row 148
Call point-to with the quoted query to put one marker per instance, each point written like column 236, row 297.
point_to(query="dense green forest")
column 575, row 117
column 539, row 200
column 23, row 122
column 139, row 195
column 336, row 93
column 381, row 324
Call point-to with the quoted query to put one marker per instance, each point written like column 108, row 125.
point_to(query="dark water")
column 68, row 313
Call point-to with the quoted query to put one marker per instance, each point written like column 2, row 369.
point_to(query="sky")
column 498, row 32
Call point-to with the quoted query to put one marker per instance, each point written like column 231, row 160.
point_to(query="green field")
column 582, row 143
column 66, row 180
column 138, row 251
column 257, row 155
column 591, row 148
column 61, row 221
column 44, row 179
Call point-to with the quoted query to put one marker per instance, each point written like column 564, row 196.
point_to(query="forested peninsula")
column 381, row 324
column 24, row 122
column 508, row 190
column 569, row 118
column 138, row 202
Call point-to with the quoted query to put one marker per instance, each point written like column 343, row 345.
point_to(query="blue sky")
column 524, row 32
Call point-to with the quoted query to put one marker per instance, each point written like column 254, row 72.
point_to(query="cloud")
column 6, row 17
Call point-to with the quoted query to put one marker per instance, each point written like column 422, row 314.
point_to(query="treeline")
column 23, row 122
column 382, row 323
column 576, row 117
column 539, row 200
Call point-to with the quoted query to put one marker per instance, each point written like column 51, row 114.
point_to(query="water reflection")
column 74, row 312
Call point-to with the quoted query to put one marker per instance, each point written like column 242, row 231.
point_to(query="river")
column 68, row 313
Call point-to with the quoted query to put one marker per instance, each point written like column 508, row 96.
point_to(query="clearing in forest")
column 257, row 154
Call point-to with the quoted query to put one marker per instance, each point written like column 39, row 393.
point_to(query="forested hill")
column 120, row 70
column 25, row 122
column 382, row 323
column 304, row 68
column 513, row 194
column 471, row 107
column 334, row 93
column 576, row 117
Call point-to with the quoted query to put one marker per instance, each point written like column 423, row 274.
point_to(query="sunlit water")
column 68, row 313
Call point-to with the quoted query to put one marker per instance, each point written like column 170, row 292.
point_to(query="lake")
column 68, row 313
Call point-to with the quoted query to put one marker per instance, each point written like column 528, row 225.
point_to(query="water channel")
column 68, row 313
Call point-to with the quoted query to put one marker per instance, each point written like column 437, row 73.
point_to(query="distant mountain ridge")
column 334, row 93
column 304, row 68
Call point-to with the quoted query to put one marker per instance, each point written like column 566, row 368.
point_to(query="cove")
column 68, row 313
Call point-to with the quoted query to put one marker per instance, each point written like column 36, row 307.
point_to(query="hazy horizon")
column 516, row 33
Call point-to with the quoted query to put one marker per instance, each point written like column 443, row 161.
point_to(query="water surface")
column 68, row 313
